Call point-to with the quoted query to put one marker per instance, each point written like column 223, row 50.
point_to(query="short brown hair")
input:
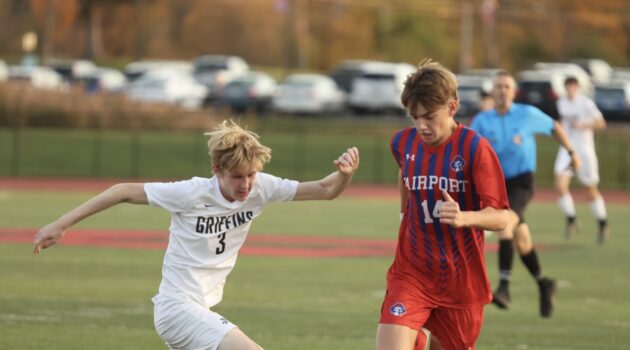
column 432, row 85
column 571, row 80
column 232, row 147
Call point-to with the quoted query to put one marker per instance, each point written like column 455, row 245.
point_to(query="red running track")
column 256, row 244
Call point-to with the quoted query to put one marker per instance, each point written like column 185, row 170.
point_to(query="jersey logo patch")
column 398, row 309
column 458, row 163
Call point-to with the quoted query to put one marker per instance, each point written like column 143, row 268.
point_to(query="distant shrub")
column 24, row 106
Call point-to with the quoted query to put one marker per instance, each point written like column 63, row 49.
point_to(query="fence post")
column 300, row 150
column 198, row 149
column 135, row 150
column 17, row 134
column 97, row 145
column 15, row 164
column 623, row 165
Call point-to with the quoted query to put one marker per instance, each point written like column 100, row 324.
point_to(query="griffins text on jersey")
column 215, row 224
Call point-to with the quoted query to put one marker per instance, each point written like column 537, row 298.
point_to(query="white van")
column 568, row 69
column 136, row 69
column 470, row 89
column 599, row 70
column 37, row 76
column 378, row 89
column 216, row 71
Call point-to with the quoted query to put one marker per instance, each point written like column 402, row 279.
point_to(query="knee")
column 594, row 192
column 524, row 247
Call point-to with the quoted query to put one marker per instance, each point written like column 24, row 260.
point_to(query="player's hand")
column 47, row 236
column 450, row 213
column 348, row 162
column 576, row 163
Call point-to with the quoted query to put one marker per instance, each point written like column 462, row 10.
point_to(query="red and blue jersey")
column 442, row 264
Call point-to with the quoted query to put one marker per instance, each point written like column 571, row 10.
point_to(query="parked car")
column 170, row 87
column 308, row 93
column 72, row 71
column 541, row 89
column 216, row 71
column 135, row 70
column 470, row 88
column 379, row 88
column 105, row 80
column 569, row 69
column 620, row 73
column 482, row 72
column 37, row 76
column 347, row 71
column 253, row 91
column 613, row 100
column 599, row 70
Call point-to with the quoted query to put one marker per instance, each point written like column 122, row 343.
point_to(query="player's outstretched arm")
column 332, row 185
column 488, row 218
column 53, row 232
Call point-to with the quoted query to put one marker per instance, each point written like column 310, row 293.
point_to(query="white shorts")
column 588, row 172
column 187, row 325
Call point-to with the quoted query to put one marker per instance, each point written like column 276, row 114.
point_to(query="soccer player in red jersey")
column 452, row 189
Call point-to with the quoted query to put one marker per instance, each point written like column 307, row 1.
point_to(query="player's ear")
column 216, row 170
column 453, row 105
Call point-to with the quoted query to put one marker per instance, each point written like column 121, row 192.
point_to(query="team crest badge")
column 397, row 309
column 457, row 164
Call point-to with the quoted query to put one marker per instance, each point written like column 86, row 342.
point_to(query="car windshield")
column 375, row 76
column 64, row 71
column 210, row 67
column 151, row 83
column 298, row 84
column 239, row 83
column 535, row 85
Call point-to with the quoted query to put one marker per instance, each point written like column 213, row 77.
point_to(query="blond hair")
column 232, row 147
column 432, row 86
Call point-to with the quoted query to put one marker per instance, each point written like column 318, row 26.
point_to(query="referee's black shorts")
column 520, row 190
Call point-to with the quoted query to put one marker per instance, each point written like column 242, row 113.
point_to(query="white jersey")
column 581, row 109
column 207, row 231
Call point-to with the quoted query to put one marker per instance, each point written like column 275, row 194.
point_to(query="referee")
column 511, row 129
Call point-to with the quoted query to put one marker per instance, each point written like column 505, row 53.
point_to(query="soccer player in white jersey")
column 210, row 218
column 579, row 117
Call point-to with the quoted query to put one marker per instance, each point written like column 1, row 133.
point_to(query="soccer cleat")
column 547, row 287
column 571, row 228
column 602, row 234
column 501, row 298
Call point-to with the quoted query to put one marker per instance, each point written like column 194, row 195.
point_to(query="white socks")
column 599, row 208
column 566, row 204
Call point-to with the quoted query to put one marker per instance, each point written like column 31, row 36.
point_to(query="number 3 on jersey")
column 221, row 249
column 427, row 213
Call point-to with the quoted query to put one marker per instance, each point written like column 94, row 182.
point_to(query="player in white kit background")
column 210, row 218
column 579, row 117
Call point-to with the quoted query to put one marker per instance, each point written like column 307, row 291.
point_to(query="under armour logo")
column 412, row 156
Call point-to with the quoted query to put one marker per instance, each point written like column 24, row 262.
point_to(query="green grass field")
column 97, row 298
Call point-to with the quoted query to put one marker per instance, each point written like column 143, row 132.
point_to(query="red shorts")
column 456, row 329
